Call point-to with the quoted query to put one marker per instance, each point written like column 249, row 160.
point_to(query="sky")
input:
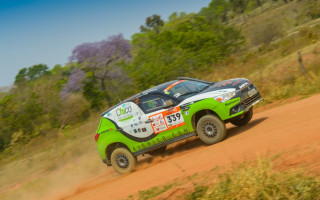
column 46, row 31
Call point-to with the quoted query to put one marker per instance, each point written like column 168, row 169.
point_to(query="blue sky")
column 46, row 31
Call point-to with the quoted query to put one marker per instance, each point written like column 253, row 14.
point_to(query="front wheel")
column 211, row 129
column 244, row 119
column 123, row 161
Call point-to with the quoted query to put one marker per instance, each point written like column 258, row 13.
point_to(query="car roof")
column 154, row 90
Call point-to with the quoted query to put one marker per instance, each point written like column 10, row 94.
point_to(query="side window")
column 152, row 103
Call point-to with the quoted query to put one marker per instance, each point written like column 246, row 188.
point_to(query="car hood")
column 237, row 84
column 218, row 88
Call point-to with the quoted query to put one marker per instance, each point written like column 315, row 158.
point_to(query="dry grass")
column 49, row 163
column 260, row 181
column 28, row 171
column 250, row 180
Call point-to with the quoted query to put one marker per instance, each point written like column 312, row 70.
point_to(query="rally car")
column 147, row 122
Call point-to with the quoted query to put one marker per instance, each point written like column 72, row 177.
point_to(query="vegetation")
column 261, row 182
column 225, row 36
column 41, row 114
column 246, row 181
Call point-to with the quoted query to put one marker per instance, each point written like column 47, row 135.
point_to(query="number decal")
column 169, row 119
column 166, row 120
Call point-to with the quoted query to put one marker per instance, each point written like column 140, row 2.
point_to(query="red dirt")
column 291, row 131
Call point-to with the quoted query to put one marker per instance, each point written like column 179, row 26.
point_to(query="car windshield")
column 185, row 88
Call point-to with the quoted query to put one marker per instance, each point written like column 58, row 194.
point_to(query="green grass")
column 154, row 192
column 259, row 181
column 251, row 180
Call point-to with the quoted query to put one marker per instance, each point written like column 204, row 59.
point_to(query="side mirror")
column 168, row 104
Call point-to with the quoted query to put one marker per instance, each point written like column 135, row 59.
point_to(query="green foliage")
column 31, row 73
column 262, row 182
column 186, row 45
column 183, row 46
column 153, row 192
column 92, row 93
column 153, row 23
column 198, row 192
column 216, row 11
column 314, row 9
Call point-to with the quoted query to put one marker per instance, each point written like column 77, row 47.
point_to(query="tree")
column 239, row 6
column 102, row 61
column 74, row 84
column 184, row 46
column 31, row 73
column 153, row 22
column 216, row 11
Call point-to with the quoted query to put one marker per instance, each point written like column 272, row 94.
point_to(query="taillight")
column 96, row 137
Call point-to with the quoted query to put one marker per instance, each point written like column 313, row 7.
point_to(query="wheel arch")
column 110, row 148
column 196, row 116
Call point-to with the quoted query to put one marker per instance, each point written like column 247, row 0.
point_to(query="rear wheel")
column 211, row 129
column 244, row 119
column 122, row 160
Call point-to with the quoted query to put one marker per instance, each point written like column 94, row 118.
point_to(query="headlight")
column 225, row 96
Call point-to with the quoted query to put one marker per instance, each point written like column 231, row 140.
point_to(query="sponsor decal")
column 144, row 129
column 124, row 112
column 135, row 131
column 232, row 102
column 167, row 120
column 225, row 83
column 187, row 112
column 236, row 83
column 159, row 140
column 172, row 85
column 137, row 100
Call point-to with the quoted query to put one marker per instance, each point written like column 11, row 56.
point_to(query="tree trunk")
column 103, row 86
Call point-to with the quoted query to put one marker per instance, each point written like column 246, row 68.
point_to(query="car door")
column 167, row 122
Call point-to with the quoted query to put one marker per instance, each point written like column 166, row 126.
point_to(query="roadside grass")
column 260, row 181
column 30, row 170
column 251, row 180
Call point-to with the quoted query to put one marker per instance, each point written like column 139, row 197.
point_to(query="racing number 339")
column 174, row 119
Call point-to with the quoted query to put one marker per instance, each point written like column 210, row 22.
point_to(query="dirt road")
column 292, row 130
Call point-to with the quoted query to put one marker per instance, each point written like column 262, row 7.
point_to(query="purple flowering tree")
column 74, row 84
column 103, row 59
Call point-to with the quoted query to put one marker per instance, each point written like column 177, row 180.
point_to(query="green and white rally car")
column 170, row 112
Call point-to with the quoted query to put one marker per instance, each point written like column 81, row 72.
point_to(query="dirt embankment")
column 291, row 131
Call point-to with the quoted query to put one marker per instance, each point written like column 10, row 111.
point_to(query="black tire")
column 244, row 119
column 211, row 129
column 123, row 161
column 159, row 151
